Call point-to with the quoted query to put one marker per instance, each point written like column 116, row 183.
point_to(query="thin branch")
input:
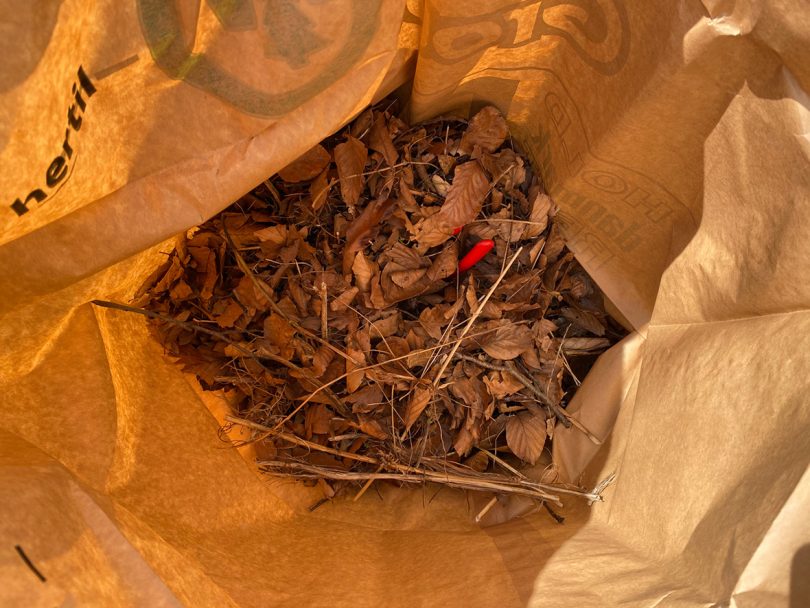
column 302, row 442
column 474, row 316
column 270, row 296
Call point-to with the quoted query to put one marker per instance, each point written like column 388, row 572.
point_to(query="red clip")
column 476, row 254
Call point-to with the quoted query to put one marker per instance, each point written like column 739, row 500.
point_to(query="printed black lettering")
column 56, row 171
column 84, row 80
column 59, row 168
column 66, row 146
column 78, row 97
column 75, row 122
column 21, row 207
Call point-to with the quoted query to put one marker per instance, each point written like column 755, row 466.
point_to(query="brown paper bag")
column 674, row 137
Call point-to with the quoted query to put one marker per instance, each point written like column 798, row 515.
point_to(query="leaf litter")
column 327, row 305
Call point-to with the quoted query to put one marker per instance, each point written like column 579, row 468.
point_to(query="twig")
column 409, row 475
column 486, row 509
column 311, row 396
column 324, row 313
column 365, row 487
column 339, row 405
column 510, row 368
column 302, row 442
column 270, row 296
column 541, row 396
column 497, row 459
column 556, row 516
column 601, row 486
column 474, row 316
column 490, row 482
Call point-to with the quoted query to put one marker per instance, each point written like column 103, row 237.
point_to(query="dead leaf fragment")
column 306, row 166
column 462, row 205
column 487, row 129
column 526, row 436
column 350, row 158
column 319, row 190
column 541, row 207
column 416, row 405
column 508, row 342
column 363, row 271
column 379, row 140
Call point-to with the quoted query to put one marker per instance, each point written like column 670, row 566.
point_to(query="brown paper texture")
column 674, row 137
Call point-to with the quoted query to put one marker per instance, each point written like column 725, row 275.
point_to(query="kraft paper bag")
column 674, row 137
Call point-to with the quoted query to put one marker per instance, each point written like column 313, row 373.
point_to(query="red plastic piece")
column 476, row 254
column 456, row 231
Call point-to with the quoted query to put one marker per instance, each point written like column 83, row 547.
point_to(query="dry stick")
column 486, row 509
column 497, row 459
column 366, row 486
column 329, row 393
column 556, row 408
column 221, row 336
column 302, row 442
column 564, row 417
column 412, row 475
column 474, row 316
column 269, row 295
column 495, row 482
column 324, row 313
column 311, row 396
column 510, row 368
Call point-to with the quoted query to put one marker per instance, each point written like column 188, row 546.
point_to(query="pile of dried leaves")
column 329, row 305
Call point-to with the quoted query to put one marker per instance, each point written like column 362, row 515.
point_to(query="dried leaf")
column 306, row 166
column 354, row 377
column 433, row 320
column 363, row 271
column 420, row 397
column 341, row 302
column 440, row 184
column 366, row 400
column 321, row 360
column 319, row 190
column 318, row 420
column 406, row 278
column 526, row 436
column 586, row 320
column 478, row 462
column 362, row 228
column 387, row 326
column 180, row 291
column 501, row 384
column 279, row 333
column 230, row 315
column 210, row 277
column 462, row 205
column 584, row 346
column 372, row 427
column 464, row 441
column 380, row 140
column 541, row 207
column 487, row 129
column 509, row 341
column 350, row 158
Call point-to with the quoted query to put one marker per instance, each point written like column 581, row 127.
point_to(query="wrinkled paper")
column 674, row 138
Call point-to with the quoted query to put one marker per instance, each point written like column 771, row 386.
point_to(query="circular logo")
column 253, row 49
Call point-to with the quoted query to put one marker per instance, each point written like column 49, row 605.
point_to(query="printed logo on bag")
column 596, row 30
column 59, row 170
column 609, row 211
column 252, row 49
